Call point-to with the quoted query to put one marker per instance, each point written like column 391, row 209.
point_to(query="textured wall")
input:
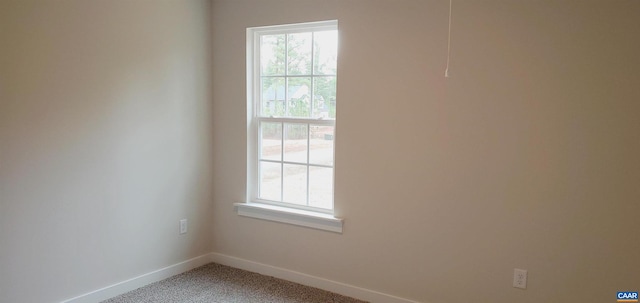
column 105, row 142
column 527, row 157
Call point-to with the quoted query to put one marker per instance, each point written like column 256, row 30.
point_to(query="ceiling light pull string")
column 446, row 71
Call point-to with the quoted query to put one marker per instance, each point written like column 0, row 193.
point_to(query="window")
column 291, row 90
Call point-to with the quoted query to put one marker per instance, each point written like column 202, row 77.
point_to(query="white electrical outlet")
column 183, row 226
column 520, row 278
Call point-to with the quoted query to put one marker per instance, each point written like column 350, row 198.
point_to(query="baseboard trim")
column 261, row 268
column 142, row 280
column 305, row 279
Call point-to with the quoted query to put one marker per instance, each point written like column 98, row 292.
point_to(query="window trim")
column 290, row 215
column 272, row 210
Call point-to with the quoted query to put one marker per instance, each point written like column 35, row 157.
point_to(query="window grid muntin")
column 284, row 121
column 286, row 76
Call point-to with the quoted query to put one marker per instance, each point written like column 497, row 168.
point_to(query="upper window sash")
column 316, row 75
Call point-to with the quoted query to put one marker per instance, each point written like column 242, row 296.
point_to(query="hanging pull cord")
column 446, row 71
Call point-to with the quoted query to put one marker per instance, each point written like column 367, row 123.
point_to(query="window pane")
column 270, row 141
column 272, row 97
column 293, row 95
column 325, row 52
column 295, row 144
column 270, row 178
column 321, row 145
column 299, row 54
column 299, row 97
column 272, row 48
column 321, row 187
column 324, row 97
column 295, row 184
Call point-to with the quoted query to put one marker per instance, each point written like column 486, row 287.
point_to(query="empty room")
column 384, row 151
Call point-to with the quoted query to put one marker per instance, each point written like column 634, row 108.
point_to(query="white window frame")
column 265, row 209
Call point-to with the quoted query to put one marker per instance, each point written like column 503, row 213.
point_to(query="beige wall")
column 527, row 157
column 105, row 122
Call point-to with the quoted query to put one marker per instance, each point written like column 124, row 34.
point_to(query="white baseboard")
column 142, row 280
column 313, row 281
column 278, row 272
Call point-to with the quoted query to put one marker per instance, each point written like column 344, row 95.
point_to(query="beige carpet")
column 215, row 283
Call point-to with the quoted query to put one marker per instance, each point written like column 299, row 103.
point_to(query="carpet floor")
column 215, row 283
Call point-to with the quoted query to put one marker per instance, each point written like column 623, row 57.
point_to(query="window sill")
column 290, row 216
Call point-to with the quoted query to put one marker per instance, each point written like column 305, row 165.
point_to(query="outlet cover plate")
column 520, row 278
column 183, row 226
